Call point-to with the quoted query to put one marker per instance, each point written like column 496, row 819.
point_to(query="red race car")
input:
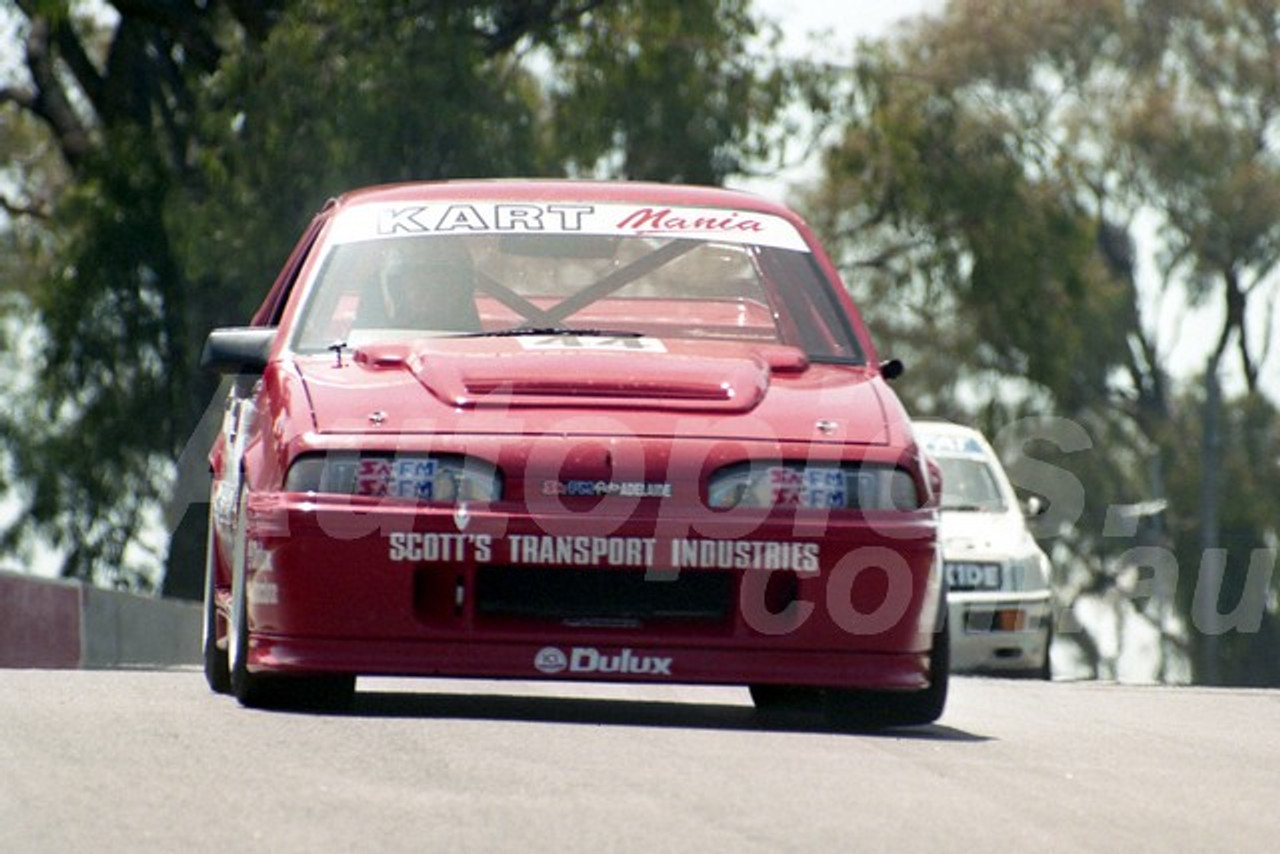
column 569, row 430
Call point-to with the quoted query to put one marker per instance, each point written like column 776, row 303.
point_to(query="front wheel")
column 216, row 670
column 327, row 692
column 859, row 709
column 1045, row 670
column 272, row 691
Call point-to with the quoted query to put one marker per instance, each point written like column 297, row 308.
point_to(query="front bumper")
column 422, row 591
column 1000, row 632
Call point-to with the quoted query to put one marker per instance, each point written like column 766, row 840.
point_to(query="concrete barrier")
column 50, row 623
column 39, row 622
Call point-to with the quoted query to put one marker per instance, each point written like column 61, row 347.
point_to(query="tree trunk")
column 1208, row 669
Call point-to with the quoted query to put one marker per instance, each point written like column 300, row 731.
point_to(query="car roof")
column 936, row 426
column 563, row 189
column 949, row 438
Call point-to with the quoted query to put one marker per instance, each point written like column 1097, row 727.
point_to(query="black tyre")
column 217, row 672
column 864, row 710
column 1045, row 670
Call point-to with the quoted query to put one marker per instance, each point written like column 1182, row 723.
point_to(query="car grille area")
column 602, row 597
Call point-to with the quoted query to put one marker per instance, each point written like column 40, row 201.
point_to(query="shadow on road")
column 620, row 712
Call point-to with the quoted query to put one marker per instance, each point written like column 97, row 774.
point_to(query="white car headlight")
column 824, row 487
column 412, row 477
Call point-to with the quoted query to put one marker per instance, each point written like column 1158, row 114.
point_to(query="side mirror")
column 891, row 369
column 238, row 350
column 1033, row 506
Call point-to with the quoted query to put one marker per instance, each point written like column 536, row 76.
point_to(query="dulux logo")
column 550, row 660
column 585, row 659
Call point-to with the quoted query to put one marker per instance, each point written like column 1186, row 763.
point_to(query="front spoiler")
column 591, row 663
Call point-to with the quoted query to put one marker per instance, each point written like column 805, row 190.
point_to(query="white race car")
column 1000, row 600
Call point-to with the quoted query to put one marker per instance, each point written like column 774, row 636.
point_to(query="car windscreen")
column 416, row 285
column 969, row 484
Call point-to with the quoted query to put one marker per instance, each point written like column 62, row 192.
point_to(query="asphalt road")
column 151, row 761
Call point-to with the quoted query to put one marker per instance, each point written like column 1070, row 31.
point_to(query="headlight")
column 410, row 477
column 846, row 487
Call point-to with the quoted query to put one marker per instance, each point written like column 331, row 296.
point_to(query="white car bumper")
column 1000, row 632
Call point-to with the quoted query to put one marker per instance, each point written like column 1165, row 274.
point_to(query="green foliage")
column 982, row 199
column 672, row 88
column 340, row 95
column 109, row 352
column 926, row 196
column 1204, row 136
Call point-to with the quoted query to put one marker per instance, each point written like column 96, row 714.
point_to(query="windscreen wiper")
column 566, row 331
column 968, row 508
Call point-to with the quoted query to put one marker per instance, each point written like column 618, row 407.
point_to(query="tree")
column 993, row 179
column 674, row 90
column 191, row 141
column 116, row 108
column 1203, row 134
